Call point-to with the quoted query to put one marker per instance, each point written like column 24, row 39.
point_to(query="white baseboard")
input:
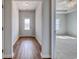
column 45, row 56
column 7, row 56
column 15, row 40
column 39, row 40
column 26, row 35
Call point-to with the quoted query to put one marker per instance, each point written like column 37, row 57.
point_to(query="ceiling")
column 66, row 6
column 62, row 6
column 27, row 5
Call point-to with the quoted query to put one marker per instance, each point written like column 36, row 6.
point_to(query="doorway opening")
column 66, row 29
column 26, row 21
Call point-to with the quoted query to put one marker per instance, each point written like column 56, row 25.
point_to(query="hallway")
column 27, row 48
column 27, row 18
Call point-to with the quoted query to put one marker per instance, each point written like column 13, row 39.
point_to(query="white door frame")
column 3, row 30
column 53, row 39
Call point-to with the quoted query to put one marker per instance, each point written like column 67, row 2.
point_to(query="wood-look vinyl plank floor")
column 27, row 48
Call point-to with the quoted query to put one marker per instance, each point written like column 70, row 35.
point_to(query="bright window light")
column 27, row 24
column 57, row 24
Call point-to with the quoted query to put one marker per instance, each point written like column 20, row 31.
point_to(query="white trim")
column 7, row 56
column 15, row 40
column 26, row 35
column 13, row 45
column 39, row 40
column 45, row 56
column 53, row 14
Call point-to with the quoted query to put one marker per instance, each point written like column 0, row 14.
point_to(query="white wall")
column 72, row 23
column 15, row 23
column 63, row 23
column 27, row 14
column 46, row 29
column 68, row 24
column 8, row 37
column 38, row 21
column 11, row 27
